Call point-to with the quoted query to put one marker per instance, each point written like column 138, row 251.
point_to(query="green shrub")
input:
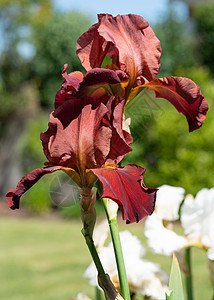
column 37, row 199
column 204, row 16
column 164, row 146
column 55, row 44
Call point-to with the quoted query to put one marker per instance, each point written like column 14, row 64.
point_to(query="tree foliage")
column 32, row 27
column 162, row 142
column 164, row 146
column 18, row 19
column 204, row 17
column 55, row 45
column 177, row 42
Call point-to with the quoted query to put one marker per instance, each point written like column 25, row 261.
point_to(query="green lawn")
column 45, row 260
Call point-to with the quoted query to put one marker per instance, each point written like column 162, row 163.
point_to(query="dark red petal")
column 100, row 82
column 99, row 76
column 72, row 79
column 128, row 40
column 120, row 138
column 126, row 187
column 92, row 48
column 185, row 95
column 85, row 133
column 73, row 129
column 59, row 99
column 69, row 86
column 13, row 196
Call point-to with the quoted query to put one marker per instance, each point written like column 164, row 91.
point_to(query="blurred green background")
column 36, row 41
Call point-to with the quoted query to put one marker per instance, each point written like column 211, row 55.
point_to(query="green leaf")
column 175, row 282
column 169, row 295
column 106, row 61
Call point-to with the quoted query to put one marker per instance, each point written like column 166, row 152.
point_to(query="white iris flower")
column 144, row 277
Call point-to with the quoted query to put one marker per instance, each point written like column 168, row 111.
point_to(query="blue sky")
column 152, row 10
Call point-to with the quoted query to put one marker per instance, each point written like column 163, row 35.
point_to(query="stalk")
column 188, row 276
column 94, row 254
column 112, row 220
column 98, row 293
column 88, row 215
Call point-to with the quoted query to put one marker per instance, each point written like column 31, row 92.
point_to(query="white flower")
column 210, row 253
column 100, row 234
column 82, row 296
column 168, row 201
column 160, row 239
column 144, row 277
column 126, row 124
column 197, row 218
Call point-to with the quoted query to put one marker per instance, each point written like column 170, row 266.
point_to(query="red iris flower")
column 85, row 137
column 135, row 50
column 86, row 140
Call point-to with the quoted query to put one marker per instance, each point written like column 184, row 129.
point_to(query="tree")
column 163, row 144
column 17, row 19
column 55, row 44
column 204, row 18
column 178, row 43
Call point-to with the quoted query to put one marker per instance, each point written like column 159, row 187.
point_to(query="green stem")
column 98, row 293
column 124, row 288
column 94, row 254
column 188, row 276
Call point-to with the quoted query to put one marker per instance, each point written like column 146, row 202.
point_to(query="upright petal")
column 13, row 196
column 183, row 93
column 92, row 48
column 128, row 40
column 126, row 187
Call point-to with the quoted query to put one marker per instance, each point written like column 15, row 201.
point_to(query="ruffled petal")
column 100, row 82
column 92, row 48
column 125, row 186
column 128, row 40
column 70, row 138
column 72, row 80
column 168, row 201
column 121, row 139
column 99, row 76
column 84, row 133
column 13, row 196
column 183, row 93
column 160, row 239
column 70, row 86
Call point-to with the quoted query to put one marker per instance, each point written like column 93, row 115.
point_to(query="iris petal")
column 181, row 92
column 125, row 186
column 128, row 40
column 13, row 196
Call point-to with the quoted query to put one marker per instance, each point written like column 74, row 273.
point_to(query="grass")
column 45, row 260
column 42, row 259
